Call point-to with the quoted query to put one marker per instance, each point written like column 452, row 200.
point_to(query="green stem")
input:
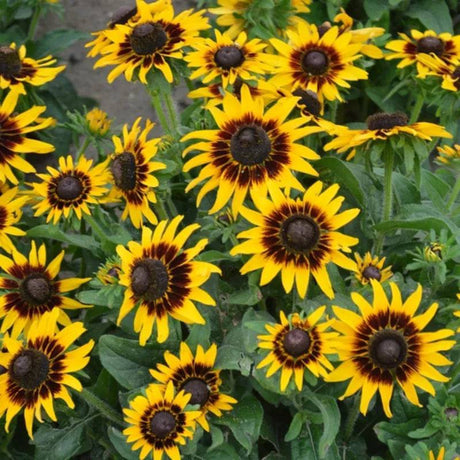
column 171, row 112
column 156, row 101
column 352, row 417
column 83, row 148
column 417, row 107
column 102, row 407
column 454, row 194
column 160, row 209
column 97, row 229
column 34, row 22
column 388, row 195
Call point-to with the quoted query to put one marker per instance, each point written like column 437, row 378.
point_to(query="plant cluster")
column 275, row 276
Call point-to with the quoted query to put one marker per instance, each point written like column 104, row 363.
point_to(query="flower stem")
column 417, row 107
column 34, row 22
column 102, row 407
column 156, row 101
column 97, row 229
column 171, row 111
column 83, row 148
column 454, row 194
column 160, row 209
column 388, row 195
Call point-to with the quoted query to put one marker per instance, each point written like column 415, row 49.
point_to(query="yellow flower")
column 298, row 344
column 449, row 155
column 162, row 279
column 298, row 237
column 195, row 375
column 98, row 122
column 385, row 343
column 39, row 369
column 369, row 268
column 10, row 214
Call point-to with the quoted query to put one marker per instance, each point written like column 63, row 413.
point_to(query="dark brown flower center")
column 122, row 15
column 430, row 45
column 372, row 273
column 383, row 120
column 35, row 289
column 199, row 391
column 315, row 62
column 250, row 145
column 297, row 342
column 149, row 279
column 29, row 369
column 162, row 424
column 229, row 56
column 388, row 348
column 148, row 38
column 300, row 233
column 123, row 169
column 10, row 64
column 69, row 188
column 308, row 99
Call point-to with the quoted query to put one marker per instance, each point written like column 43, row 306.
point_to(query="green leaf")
column 53, row 232
column 406, row 192
column 375, row 8
column 434, row 188
column 419, row 217
column 127, row 361
column 433, row 15
column 118, row 440
column 350, row 175
column 223, row 452
column 107, row 296
column 244, row 421
column 295, row 427
column 331, row 420
column 58, row 40
column 60, row 443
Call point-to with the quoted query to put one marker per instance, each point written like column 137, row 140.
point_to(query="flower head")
column 253, row 150
column 17, row 70
column 157, row 35
column 10, row 214
column 298, row 238
column 98, row 122
column 320, row 63
column 38, row 369
column 298, row 344
column 70, row 189
column 196, row 375
column 132, row 169
column 162, row 279
column 385, row 343
column 32, row 289
column 371, row 268
column 158, row 421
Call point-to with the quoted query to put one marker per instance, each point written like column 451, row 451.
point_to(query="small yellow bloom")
column 98, row 122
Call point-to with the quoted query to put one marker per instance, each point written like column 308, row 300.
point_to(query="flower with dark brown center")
column 456, row 76
column 123, row 169
column 69, row 188
column 371, row 272
column 315, row 62
column 297, row 342
column 147, row 38
column 388, row 348
column 199, row 391
column 383, row 120
column 122, row 15
column 10, row 64
column 229, row 56
column 162, row 424
column 35, row 289
column 308, row 99
column 299, row 233
column 250, row 145
column 430, row 45
column 149, row 279
column 29, row 369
